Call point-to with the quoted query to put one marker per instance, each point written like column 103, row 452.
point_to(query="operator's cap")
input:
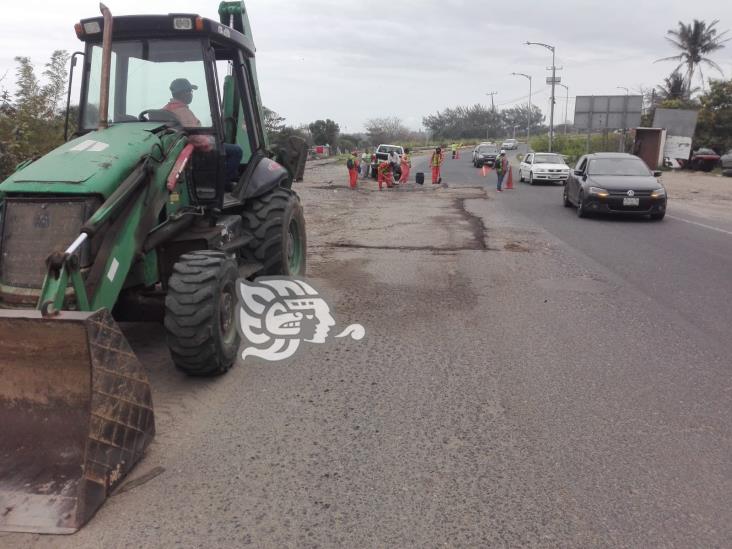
column 181, row 85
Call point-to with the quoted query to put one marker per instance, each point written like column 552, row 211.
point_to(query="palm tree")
column 674, row 87
column 695, row 42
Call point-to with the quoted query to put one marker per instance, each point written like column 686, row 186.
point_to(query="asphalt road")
column 527, row 378
column 683, row 263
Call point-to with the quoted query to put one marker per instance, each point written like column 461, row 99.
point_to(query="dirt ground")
column 701, row 194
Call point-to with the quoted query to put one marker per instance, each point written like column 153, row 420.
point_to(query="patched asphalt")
column 527, row 379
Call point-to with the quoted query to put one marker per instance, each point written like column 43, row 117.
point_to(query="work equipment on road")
column 419, row 178
column 509, row 180
column 136, row 217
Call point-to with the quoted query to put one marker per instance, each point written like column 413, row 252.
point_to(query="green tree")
column 695, row 42
column 519, row 116
column 324, row 132
column 55, row 74
column 714, row 125
column 674, row 87
column 31, row 124
column 386, row 130
column 273, row 122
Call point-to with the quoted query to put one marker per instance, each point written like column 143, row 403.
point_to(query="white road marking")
column 700, row 225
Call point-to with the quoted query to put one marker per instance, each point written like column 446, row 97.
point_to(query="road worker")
column 501, row 166
column 385, row 175
column 436, row 162
column 352, row 165
column 405, row 165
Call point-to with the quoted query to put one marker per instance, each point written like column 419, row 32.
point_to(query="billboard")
column 679, row 122
column 607, row 112
column 677, row 146
column 680, row 125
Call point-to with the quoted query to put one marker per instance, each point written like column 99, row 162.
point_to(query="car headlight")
column 658, row 193
column 481, row 156
column 598, row 191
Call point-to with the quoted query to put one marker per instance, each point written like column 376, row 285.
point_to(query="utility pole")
column 554, row 80
column 566, row 102
column 621, row 147
column 493, row 109
column 528, row 122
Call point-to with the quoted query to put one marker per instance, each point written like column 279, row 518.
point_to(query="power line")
column 523, row 98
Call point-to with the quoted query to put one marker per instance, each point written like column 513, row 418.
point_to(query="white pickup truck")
column 382, row 153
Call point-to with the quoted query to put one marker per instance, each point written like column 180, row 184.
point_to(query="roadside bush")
column 575, row 145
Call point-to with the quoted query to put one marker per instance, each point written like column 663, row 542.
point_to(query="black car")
column 485, row 154
column 616, row 183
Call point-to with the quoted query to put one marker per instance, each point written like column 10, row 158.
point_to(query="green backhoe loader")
column 165, row 195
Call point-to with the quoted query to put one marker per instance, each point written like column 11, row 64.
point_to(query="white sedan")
column 549, row 167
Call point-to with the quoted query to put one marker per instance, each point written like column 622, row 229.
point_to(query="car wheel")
column 565, row 197
column 581, row 211
column 531, row 178
column 658, row 216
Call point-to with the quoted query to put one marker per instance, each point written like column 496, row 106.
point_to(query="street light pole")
column 554, row 79
column 528, row 122
column 566, row 102
column 493, row 109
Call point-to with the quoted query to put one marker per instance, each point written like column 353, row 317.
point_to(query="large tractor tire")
column 200, row 313
column 277, row 222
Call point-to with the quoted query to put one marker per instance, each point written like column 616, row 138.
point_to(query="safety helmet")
column 503, row 151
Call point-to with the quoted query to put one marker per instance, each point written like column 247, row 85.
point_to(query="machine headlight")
column 92, row 27
column 183, row 23
column 598, row 191
column 658, row 193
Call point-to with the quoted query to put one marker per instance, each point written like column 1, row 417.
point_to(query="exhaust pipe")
column 106, row 67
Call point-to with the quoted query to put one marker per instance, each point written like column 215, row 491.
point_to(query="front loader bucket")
column 75, row 416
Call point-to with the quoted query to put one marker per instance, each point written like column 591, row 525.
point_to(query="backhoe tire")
column 276, row 220
column 200, row 313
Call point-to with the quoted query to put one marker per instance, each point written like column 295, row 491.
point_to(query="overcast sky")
column 355, row 60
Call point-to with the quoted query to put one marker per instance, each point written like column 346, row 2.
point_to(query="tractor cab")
column 190, row 74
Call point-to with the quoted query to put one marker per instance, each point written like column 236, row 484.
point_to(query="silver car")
column 726, row 161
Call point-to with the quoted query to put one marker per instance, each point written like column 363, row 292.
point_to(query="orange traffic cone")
column 509, row 182
column 485, row 172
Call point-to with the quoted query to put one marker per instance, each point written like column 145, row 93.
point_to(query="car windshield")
column 487, row 150
column 548, row 159
column 141, row 75
column 617, row 166
column 390, row 149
